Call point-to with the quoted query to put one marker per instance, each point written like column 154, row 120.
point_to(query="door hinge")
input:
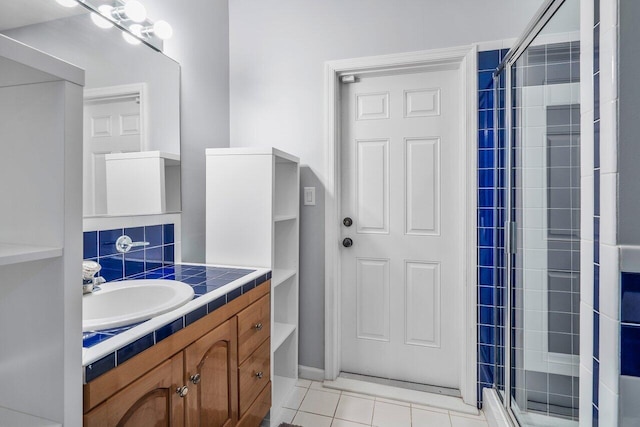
column 348, row 79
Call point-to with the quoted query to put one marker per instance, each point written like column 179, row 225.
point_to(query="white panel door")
column 110, row 126
column 401, row 181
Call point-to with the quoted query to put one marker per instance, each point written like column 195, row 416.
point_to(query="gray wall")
column 277, row 50
column 201, row 45
column 629, row 124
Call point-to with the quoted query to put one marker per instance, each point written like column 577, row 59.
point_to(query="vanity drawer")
column 253, row 375
column 259, row 409
column 254, row 326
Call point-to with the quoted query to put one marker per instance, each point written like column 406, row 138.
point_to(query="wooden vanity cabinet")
column 211, row 364
column 221, row 389
column 149, row 401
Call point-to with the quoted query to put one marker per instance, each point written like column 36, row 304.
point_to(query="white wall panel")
column 422, row 210
column 372, row 299
column 372, row 186
column 422, row 103
column 422, row 303
column 372, row 106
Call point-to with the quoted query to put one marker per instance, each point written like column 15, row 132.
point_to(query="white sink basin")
column 131, row 301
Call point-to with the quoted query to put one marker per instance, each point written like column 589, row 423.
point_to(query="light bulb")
column 135, row 29
column 67, row 3
column 135, row 11
column 163, row 30
column 101, row 20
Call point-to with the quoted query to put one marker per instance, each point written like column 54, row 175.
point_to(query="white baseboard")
column 309, row 373
column 495, row 413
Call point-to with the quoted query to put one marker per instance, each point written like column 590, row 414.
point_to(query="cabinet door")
column 213, row 396
column 151, row 400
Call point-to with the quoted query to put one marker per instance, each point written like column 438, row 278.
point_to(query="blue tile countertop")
column 214, row 286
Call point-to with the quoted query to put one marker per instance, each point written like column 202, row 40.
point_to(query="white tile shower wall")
column 608, row 226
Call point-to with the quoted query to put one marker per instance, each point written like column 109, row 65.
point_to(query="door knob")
column 182, row 391
column 348, row 222
column 258, row 326
column 195, row 378
column 259, row 375
column 347, row 242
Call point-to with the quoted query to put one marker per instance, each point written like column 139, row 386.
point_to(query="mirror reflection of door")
column 112, row 124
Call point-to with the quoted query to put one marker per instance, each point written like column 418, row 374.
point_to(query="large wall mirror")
column 131, row 137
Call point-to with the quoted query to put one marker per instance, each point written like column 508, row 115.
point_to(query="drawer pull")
column 195, row 378
column 182, row 391
column 258, row 326
column 259, row 375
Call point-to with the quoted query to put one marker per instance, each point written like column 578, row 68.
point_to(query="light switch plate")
column 309, row 196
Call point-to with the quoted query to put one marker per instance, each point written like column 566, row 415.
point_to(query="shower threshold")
column 437, row 397
column 404, row 384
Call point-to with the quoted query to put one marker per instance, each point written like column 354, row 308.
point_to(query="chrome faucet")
column 90, row 281
column 124, row 244
column 91, row 285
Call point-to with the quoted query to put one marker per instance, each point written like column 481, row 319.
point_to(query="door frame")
column 463, row 58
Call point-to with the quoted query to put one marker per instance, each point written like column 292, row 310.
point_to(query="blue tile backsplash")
column 100, row 246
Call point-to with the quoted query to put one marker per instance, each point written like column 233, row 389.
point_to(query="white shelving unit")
column 253, row 220
column 40, row 238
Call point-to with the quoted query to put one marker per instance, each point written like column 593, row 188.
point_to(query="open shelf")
column 280, row 218
column 14, row 254
column 281, row 331
column 279, row 276
column 9, row 418
column 254, row 219
column 285, row 188
column 283, row 389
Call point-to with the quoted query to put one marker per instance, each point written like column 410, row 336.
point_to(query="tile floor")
column 312, row 405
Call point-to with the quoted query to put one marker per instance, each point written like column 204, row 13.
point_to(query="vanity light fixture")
column 160, row 28
column 100, row 19
column 136, row 30
column 132, row 10
column 67, row 3
column 128, row 15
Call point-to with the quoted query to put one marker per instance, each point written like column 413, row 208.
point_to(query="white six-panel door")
column 402, row 277
column 110, row 126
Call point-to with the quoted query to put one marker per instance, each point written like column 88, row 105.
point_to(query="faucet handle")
column 124, row 244
column 90, row 269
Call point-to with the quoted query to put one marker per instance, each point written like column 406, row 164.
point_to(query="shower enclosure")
column 537, row 92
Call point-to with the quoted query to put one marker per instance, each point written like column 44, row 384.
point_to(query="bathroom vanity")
column 206, row 363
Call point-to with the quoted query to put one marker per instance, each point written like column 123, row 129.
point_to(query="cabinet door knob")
column 258, row 326
column 182, row 391
column 259, row 375
column 195, row 378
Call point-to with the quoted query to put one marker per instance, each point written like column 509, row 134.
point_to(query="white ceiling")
column 18, row 13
